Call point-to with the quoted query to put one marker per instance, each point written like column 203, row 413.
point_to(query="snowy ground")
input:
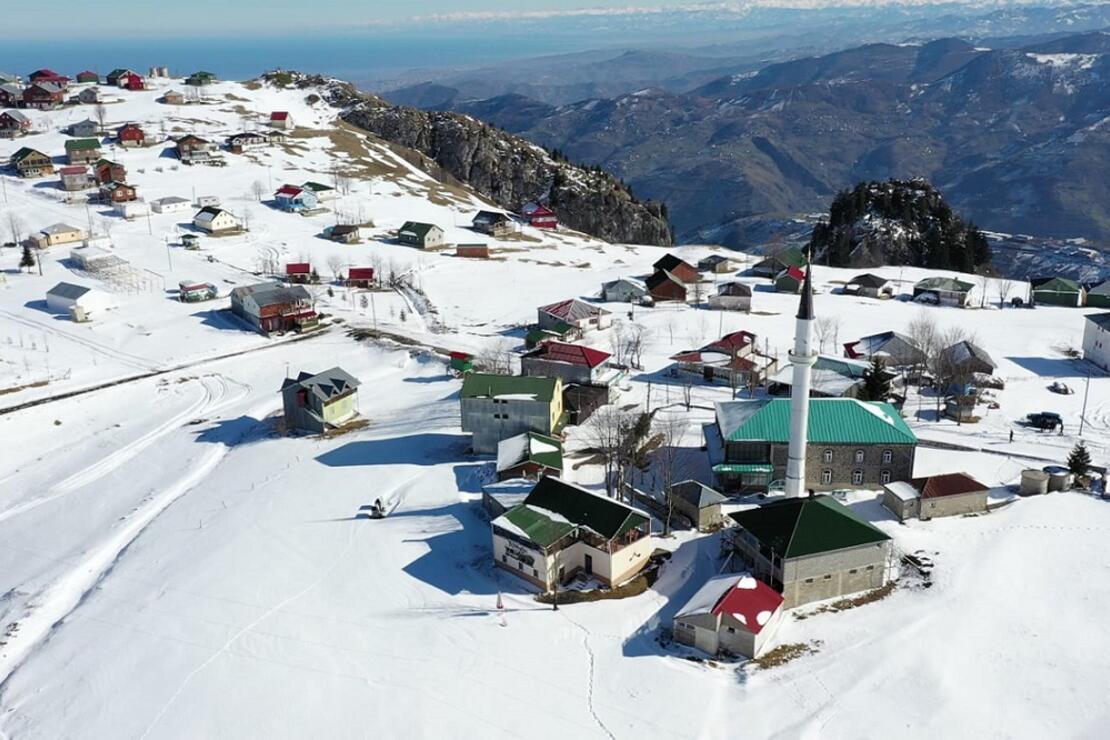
column 170, row 567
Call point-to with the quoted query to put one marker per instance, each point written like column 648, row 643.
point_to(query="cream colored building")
column 59, row 234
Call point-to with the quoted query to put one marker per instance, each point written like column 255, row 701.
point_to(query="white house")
column 215, row 220
column 77, row 300
column 204, row 201
column 171, row 204
column 59, row 234
column 1096, row 339
column 132, row 209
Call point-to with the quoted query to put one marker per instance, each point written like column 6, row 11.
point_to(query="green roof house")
column 82, row 151
column 561, row 531
column 497, row 407
column 774, row 264
column 944, row 291
column 1059, row 291
column 421, row 235
column 1099, row 295
column 812, row 548
column 852, row 444
column 200, row 79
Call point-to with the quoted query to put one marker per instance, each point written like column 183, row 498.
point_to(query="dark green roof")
column 1057, row 285
column 948, row 284
column 416, row 227
column 484, row 385
column 743, row 468
column 605, row 516
column 791, row 257
column 831, row 421
column 797, row 527
column 537, row 525
column 76, row 145
column 23, row 152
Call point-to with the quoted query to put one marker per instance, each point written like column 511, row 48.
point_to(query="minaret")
column 802, row 358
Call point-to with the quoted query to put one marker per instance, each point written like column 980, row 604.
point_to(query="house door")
column 589, row 565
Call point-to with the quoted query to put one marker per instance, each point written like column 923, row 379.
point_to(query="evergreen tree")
column 28, row 259
column 1079, row 459
column 876, row 382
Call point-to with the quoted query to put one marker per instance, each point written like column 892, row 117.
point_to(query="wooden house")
column 493, row 223
column 75, row 178
column 49, row 76
column 105, row 170
column 732, row 296
column 540, row 216
column 343, row 233
column 246, row 141
column 13, row 123
column 966, row 359
column 299, row 273
column 270, row 307
column 192, row 149
column 82, row 151
column 134, row 82
column 131, row 136
column 574, row 313
column 282, row 120
column 43, row 95
column 32, row 163
column 678, row 268
column 11, row 95
column 424, row 236
column 118, row 192
column 572, row 363
column 117, row 77
column 664, row 286
column 773, row 264
column 360, row 277
column 88, row 76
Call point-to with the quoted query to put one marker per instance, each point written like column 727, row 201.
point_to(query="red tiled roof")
column 750, row 602
column 573, row 354
column 289, row 190
column 360, row 273
column 732, row 342
column 279, row 115
column 298, row 268
column 948, row 484
column 850, row 350
column 460, row 355
column 73, row 171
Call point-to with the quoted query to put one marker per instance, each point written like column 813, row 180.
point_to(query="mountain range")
column 1016, row 138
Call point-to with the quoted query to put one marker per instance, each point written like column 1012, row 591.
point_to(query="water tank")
column 1033, row 482
column 1059, row 478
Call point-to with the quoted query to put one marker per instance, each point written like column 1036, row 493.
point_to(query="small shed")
column 699, row 503
column 298, row 272
column 732, row 614
column 461, row 362
column 192, row 292
column 732, row 296
column 281, row 119
column 1058, row 291
column 870, row 285
column 950, row 494
column 360, row 277
column 717, row 264
column 344, row 233
column 473, row 251
column 529, row 455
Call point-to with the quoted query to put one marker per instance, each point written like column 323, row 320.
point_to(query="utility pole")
column 1086, row 394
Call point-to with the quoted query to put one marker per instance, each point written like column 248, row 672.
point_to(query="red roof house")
column 571, row 362
column 541, row 217
column 48, row 75
column 134, row 82
column 298, row 272
column 731, row 613
column 88, row 76
column 360, row 277
column 281, row 119
column 738, row 342
column 131, row 135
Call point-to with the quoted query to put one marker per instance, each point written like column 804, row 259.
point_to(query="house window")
column 827, row 455
column 857, row 477
column 809, row 580
column 853, row 571
column 504, row 558
column 888, row 456
column 535, row 573
column 871, row 567
column 859, row 456
column 826, row 477
column 732, row 630
column 828, row 577
column 884, row 477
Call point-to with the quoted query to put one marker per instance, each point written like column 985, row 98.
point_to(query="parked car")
column 1061, row 387
column 1045, row 420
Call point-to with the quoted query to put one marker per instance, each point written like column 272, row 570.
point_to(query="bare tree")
column 948, row 372
column 616, row 434
column 637, row 336
column 15, row 227
column 827, row 329
column 258, row 189
column 669, row 461
column 335, row 264
column 1003, row 289
column 101, row 114
column 496, row 358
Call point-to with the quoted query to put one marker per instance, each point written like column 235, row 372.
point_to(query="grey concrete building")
column 496, row 407
column 812, row 548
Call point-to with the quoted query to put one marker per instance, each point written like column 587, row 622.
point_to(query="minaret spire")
column 802, row 358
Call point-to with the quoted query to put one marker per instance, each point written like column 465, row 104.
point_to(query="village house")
column 282, row 120
column 811, row 549
column 320, row 402
column 48, row 75
column 1098, row 296
column 540, row 216
column 718, row 264
column 1058, row 291
column 699, row 503
column 299, row 273
column 13, row 123
column 572, row 363
column 896, row 349
column 192, row 149
column 246, row 141
column 623, row 290
column 200, row 79
column 1096, row 339
column 966, row 359
column 32, row 163
column 191, row 292
column 171, row 204
column 324, row 193
column 88, row 76
column 732, row 296
column 951, row 494
column 82, row 151
column 870, row 285
column 493, row 223
column 291, row 198
column 118, row 192
column 59, row 233
column 682, row 270
column 732, row 615
column 105, row 171
column 215, row 220
column 830, row 377
column 774, row 264
column 77, row 301
column 562, row 531
column 90, row 96
column 733, row 360
column 496, row 407
column 131, row 135
column 790, row 280
column 270, row 307
column 663, row 286
column 134, row 82
column 343, row 233
column 944, row 292
column 360, row 277
column 117, row 77
column 529, row 455
column 11, row 95
column 173, row 97
column 75, row 178
column 573, row 313
column 205, row 201
column 86, row 128
column 472, row 251
column 131, row 208
column 424, row 236
column 43, row 95
column 852, row 444
column 276, row 136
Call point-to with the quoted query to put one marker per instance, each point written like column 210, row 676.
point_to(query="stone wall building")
column 951, row 494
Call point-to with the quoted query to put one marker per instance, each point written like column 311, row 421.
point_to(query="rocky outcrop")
column 507, row 169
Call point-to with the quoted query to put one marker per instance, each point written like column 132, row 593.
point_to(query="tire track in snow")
column 126, row 358
column 58, row 600
column 115, row 460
